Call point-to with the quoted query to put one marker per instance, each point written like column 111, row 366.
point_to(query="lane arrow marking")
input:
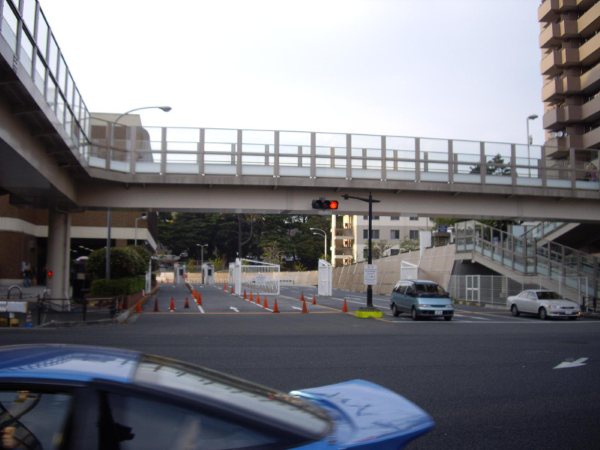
column 569, row 364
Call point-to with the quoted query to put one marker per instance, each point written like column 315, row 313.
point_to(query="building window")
column 394, row 217
column 374, row 217
column 394, row 234
column 414, row 217
column 413, row 235
column 366, row 234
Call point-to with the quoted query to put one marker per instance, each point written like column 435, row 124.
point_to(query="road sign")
column 370, row 274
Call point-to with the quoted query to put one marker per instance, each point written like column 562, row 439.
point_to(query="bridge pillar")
column 59, row 249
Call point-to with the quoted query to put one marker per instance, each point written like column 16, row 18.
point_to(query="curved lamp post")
column 314, row 230
column 108, row 212
column 531, row 117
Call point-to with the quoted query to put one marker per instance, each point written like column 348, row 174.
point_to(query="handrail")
column 527, row 255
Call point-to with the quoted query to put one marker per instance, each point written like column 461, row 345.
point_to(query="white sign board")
column 370, row 274
column 18, row 307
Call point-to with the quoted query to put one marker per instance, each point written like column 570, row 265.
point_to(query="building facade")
column 570, row 45
column 350, row 235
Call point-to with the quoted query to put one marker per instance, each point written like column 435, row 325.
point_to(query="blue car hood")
column 367, row 415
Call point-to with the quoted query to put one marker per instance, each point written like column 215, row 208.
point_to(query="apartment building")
column 351, row 234
column 570, row 45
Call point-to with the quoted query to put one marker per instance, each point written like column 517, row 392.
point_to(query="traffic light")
column 321, row 203
column 49, row 274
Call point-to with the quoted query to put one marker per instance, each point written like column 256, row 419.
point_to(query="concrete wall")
column 436, row 264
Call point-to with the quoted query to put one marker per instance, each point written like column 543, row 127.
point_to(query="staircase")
column 573, row 273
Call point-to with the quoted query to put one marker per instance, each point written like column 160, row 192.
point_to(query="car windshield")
column 430, row 290
column 548, row 295
column 276, row 407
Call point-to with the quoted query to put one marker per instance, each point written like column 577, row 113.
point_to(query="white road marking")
column 569, row 363
column 295, row 307
column 233, row 308
column 201, row 309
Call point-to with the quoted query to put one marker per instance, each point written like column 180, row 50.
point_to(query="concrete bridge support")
column 59, row 249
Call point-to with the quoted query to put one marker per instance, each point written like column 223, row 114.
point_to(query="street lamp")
column 369, row 311
column 142, row 217
column 202, row 259
column 314, row 230
column 531, row 117
column 108, row 212
column 163, row 108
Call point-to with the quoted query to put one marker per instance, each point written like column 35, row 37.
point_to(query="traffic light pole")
column 369, row 310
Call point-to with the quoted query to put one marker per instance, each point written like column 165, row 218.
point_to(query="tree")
column 494, row 166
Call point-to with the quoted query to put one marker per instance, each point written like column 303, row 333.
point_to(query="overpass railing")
column 28, row 44
column 279, row 153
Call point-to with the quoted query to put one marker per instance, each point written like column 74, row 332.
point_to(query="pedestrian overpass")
column 54, row 154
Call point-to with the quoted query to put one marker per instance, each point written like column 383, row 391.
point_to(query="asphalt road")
column 488, row 379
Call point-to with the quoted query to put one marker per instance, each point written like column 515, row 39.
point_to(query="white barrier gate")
column 408, row 271
column 254, row 276
column 325, row 280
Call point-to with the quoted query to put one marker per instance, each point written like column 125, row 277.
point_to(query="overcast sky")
column 463, row 69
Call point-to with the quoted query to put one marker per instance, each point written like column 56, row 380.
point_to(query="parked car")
column 421, row 298
column 69, row 397
column 543, row 303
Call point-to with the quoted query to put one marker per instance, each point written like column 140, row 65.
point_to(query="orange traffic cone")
column 172, row 305
column 345, row 308
column 258, row 299
column 138, row 307
column 304, row 308
column 251, row 297
column 245, row 295
column 314, row 302
column 266, row 303
column 186, row 304
column 155, row 304
column 199, row 298
column 302, row 297
column 275, row 307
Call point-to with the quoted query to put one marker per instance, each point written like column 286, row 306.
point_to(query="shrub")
column 119, row 286
column 124, row 262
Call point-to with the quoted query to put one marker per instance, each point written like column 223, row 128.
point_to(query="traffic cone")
column 172, row 305
column 302, row 296
column 251, row 297
column 155, row 304
column 275, row 307
column 345, row 308
column 258, row 299
column 266, row 303
column 245, row 295
column 231, row 290
column 225, row 287
column 186, row 305
column 199, row 298
column 138, row 307
column 314, row 302
column 304, row 308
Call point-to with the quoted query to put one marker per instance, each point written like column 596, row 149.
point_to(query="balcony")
column 589, row 23
column 557, row 118
column 559, row 87
column 547, row 11
column 550, row 36
column 550, row 63
column 589, row 53
column 592, row 138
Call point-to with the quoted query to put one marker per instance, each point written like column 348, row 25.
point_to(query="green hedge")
column 119, row 286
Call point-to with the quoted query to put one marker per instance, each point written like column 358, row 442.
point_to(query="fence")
column 52, row 310
column 494, row 289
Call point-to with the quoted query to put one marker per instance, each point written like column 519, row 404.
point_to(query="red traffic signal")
column 325, row 204
column 49, row 274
